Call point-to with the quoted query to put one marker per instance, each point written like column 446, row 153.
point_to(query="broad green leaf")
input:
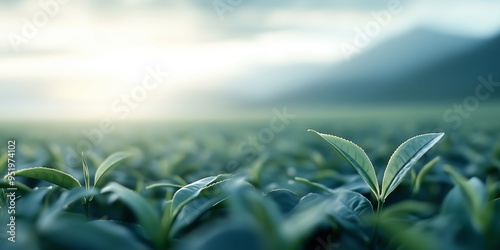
column 348, row 208
column 467, row 201
column 308, row 215
column 356, row 157
column 18, row 185
column 66, row 198
column 405, row 156
column 209, row 197
column 32, row 203
column 285, row 199
column 249, row 205
column 473, row 199
column 146, row 215
column 164, row 185
column 107, row 165
column 475, row 195
column 421, row 175
column 188, row 193
column 86, row 174
column 48, row 174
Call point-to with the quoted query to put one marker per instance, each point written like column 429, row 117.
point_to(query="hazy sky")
column 88, row 59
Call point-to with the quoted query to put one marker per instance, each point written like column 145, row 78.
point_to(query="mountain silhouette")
column 420, row 66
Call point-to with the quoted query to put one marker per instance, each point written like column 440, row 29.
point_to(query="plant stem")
column 373, row 238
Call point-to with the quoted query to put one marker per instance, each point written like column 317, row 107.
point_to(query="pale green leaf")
column 18, row 185
column 107, row 165
column 48, row 174
column 473, row 198
column 356, row 157
column 164, row 185
column 313, row 184
column 146, row 215
column 86, row 174
column 188, row 193
column 403, row 159
column 210, row 196
column 425, row 170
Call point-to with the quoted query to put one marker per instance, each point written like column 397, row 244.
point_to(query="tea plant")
column 401, row 161
column 68, row 181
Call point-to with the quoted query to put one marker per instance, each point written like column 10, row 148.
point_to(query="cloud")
column 92, row 51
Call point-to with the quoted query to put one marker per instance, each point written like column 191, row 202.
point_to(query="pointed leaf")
column 164, row 185
column 64, row 200
column 284, row 198
column 475, row 200
column 209, row 197
column 347, row 208
column 48, row 174
column 356, row 157
column 86, row 174
column 405, row 156
column 107, row 165
column 146, row 215
column 425, row 170
column 18, row 185
column 308, row 215
column 313, row 184
column 188, row 193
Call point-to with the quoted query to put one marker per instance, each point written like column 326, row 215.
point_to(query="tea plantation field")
column 253, row 184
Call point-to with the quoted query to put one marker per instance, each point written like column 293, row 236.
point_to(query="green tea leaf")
column 107, row 165
column 164, row 185
column 313, row 184
column 248, row 204
column 20, row 187
column 467, row 201
column 347, row 208
column 356, row 157
column 86, row 174
column 405, row 156
column 146, row 215
column 309, row 213
column 284, row 198
column 210, row 196
column 66, row 198
column 475, row 194
column 425, row 170
column 188, row 193
column 48, row 174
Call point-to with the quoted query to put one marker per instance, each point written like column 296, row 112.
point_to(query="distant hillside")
column 420, row 66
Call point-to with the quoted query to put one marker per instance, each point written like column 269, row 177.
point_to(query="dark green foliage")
column 193, row 188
